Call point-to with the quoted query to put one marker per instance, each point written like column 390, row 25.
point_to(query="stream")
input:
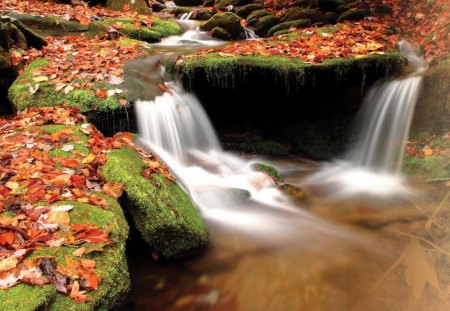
column 266, row 251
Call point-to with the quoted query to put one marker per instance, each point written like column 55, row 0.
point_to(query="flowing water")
column 265, row 252
column 373, row 164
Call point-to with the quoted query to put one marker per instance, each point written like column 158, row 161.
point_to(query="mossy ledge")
column 111, row 264
column 162, row 211
column 227, row 71
column 159, row 29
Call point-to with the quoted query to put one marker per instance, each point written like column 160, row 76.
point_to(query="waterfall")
column 186, row 16
column 250, row 34
column 386, row 118
column 373, row 164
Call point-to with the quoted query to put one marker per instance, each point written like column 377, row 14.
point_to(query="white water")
column 224, row 187
column 373, row 164
column 192, row 36
column 250, row 34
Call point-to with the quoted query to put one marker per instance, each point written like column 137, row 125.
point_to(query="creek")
column 268, row 252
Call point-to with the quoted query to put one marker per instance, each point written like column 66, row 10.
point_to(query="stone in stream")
column 228, row 21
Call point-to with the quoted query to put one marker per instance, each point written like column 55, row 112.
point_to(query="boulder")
column 263, row 24
column 293, row 14
column 220, row 33
column 225, row 3
column 228, row 21
column 330, row 18
column 246, row 10
column 353, row 15
column 139, row 6
column 207, row 3
column 301, row 23
column 329, row 5
column 302, row 4
column 255, row 15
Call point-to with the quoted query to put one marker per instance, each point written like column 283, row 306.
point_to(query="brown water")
column 384, row 269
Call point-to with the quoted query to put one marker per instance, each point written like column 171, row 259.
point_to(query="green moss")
column 110, row 265
column 269, row 170
column 159, row 29
column 76, row 147
column 161, row 210
column 429, row 168
column 20, row 95
column 301, row 23
column 53, row 129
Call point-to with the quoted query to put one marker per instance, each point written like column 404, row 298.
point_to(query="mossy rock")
column 159, row 29
column 208, row 3
column 139, row 6
column 293, row 14
column 111, row 265
column 353, row 15
column 296, row 194
column 50, row 25
column 429, row 168
column 246, row 10
column 269, row 170
column 225, row 3
column 228, row 21
column 330, row 17
column 220, row 33
column 21, row 97
column 162, row 211
column 255, row 15
column 329, row 5
column 301, row 23
column 433, row 107
column 263, row 24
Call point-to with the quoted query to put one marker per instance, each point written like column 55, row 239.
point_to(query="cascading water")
column 387, row 115
column 373, row 164
column 250, row 34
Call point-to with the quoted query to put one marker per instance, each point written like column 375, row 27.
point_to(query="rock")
column 269, row 170
column 342, row 8
column 301, row 23
column 255, row 15
column 188, row 2
column 228, row 21
column 50, row 26
column 353, row 15
column 7, row 76
column 202, row 15
column 302, row 4
column 139, row 6
column 246, row 10
column 295, row 193
column 433, row 107
column 293, row 14
column 220, row 33
column 330, row 18
column 263, row 24
column 22, row 33
column 162, row 211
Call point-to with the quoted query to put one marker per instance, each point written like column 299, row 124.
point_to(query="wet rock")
column 202, row 15
column 353, row 15
column 329, row 5
column 220, row 33
column 225, row 3
column 293, row 14
column 228, row 21
column 295, row 193
column 301, row 23
column 246, row 10
column 263, row 24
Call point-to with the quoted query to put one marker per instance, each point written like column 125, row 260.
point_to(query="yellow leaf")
column 90, row 157
column 60, row 218
column 40, row 79
column 8, row 263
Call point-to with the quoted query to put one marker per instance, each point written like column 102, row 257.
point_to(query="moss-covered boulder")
column 50, row 25
column 220, row 33
column 433, row 107
column 188, row 2
column 159, row 29
column 430, row 168
column 227, row 21
column 139, row 6
column 225, row 3
column 353, row 15
column 293, row 14
column 246, row 10
column 162, row 211
column 255, row 15
column 330, row 17
column 263, row 24
column 301, row 23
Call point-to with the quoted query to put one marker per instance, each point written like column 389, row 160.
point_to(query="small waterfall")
column 250, row 34
column 387, row 113
column 170, row 4
column 373, row 165
column 186, row 16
